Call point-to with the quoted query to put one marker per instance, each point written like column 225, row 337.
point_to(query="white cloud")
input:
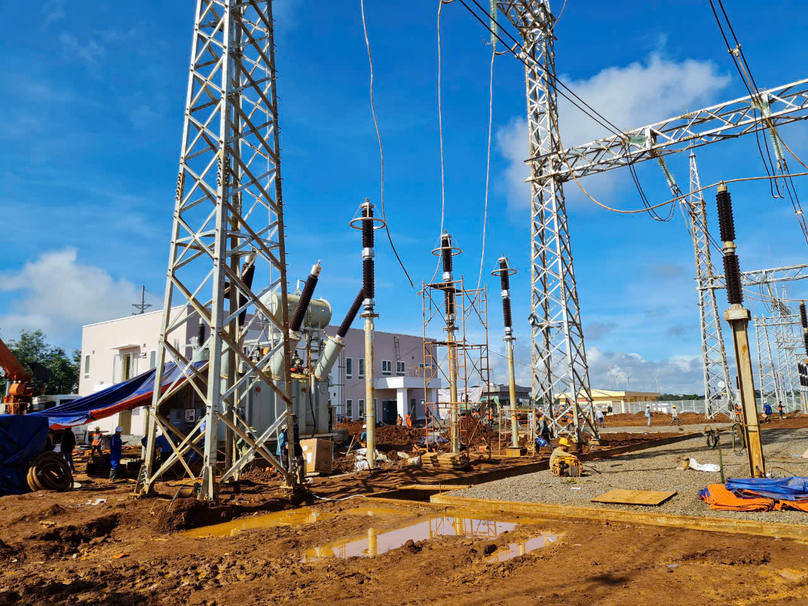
column 54, row 11
column 58, row 294
column 88, row 50
column 677, row 374
column 640, row 93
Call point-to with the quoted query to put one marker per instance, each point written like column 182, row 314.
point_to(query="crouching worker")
column 563, row 463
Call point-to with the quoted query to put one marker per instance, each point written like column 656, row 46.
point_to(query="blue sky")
column 91, row 116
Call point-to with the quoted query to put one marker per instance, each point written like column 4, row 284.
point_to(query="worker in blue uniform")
column 115, row 447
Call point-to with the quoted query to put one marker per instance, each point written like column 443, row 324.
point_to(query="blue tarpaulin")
column 122, row 396
column 22, row 439
column 783, row 489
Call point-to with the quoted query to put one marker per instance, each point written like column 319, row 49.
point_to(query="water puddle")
column 522, row 547
column 293, row 517
column 377, row 543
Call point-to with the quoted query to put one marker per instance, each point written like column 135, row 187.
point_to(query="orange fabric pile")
column 719, row 497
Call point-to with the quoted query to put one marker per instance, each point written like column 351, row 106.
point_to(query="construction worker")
column 98, row 442
column 399, row 420
column 599, row 416
column 562, row 452
column 68, row 443
column 364, row 436
column 738, row 415
column 674, row 416
column 767, row 411
column 648, row 414
column 115, row 447
column 476, row 414
column 490, row 416
column 780, row 409
column 408, row 420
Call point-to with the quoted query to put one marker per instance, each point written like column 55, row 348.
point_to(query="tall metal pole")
column 447, row 251
column 228, row 208
column 738, row 317
column 560, row 371
column 505, row 271
column 713, row 353
column 368, row 223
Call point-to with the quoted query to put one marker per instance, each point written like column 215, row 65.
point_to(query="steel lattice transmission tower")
column 559, row 366
column 228, row 214
column 714, row 355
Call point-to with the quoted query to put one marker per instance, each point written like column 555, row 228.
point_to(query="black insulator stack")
column 246, row 277
column 806, row 344
column 367, row 227
column 504, row 278
column 303, row 303
column 732, row 275
column 506, row 312
column 446, row 253
column 803, row 316
column 351, row 315
column 368, row 278
column 450, row 301
column 201, row 333
column 725, row 221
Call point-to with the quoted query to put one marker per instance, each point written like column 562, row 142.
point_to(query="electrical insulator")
column 803, row 316
column 351, row 315
column 732, row 275
column 305, row 298
column 726, row 223
column 446, row 254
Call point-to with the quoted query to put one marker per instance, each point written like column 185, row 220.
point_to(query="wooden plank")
column 554, row 511
column 635, row 497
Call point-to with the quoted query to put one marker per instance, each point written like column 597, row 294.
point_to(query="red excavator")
column 23, row 386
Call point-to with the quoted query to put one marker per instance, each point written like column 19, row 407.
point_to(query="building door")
column 389, row 412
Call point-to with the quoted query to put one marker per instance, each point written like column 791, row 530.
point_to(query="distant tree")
column 32, row 346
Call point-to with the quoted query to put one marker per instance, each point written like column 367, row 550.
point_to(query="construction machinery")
column 23, row 386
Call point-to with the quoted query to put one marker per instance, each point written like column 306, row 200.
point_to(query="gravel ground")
column 662, row 428
column 658, row 469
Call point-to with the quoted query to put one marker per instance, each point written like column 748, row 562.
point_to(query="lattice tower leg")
column 228, row 211
column 559, row 363
column 713, row 352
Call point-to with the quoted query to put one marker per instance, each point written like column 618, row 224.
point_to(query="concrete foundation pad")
column 567, row 512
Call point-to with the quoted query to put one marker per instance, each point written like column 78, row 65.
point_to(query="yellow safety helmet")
column 563, row 442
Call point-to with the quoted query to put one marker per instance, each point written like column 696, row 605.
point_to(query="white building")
column 117, row 350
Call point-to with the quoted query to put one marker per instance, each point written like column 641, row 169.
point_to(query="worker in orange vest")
column 490, row 416
column 408, row 420
column 780, row 409
column 98, row 438
column 399, row 422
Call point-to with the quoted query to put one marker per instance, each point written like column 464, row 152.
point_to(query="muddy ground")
column 101, row 545
column 62, row 549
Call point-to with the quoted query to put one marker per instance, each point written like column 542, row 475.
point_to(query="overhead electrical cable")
column 381, row 149
column 488, row 150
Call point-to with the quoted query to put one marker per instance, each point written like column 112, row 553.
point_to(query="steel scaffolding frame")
column 228, row 215
column 560, row 373
column 472, row 359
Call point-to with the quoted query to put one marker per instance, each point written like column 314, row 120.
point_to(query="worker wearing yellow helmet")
column 561, row 451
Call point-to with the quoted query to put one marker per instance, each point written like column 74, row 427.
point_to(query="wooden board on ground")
column 635, row 497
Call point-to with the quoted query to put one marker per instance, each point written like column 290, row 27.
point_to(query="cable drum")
column 50, row 471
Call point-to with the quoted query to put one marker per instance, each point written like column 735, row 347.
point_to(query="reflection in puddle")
column 523, row 547
column 377, row 543
column 304, row 515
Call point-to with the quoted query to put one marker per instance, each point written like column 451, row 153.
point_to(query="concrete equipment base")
column 568, row 512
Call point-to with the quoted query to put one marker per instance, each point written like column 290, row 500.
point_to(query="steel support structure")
column 228, row 212
column 767, row 373
column 717, row 399
column 560, row 374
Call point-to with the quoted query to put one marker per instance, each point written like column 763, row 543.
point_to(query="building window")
column 349, row 408
column 152, row 359
column 348, row 368
column 387, row 367
column 401, row 369
column 87, row 366
column 361, row 368
column 361, row 408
